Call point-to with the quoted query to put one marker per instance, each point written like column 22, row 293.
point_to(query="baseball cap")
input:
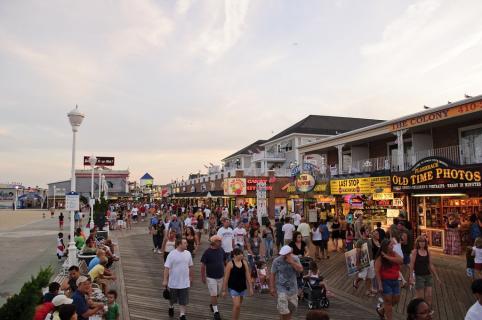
column 285, row 250
column 215, row 238
column 61, row 299
column 81, row 279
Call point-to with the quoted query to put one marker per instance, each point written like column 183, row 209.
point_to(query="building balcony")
column 454, row 154
column 269, row 156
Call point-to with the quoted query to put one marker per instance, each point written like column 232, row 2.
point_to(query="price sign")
column 72, row 201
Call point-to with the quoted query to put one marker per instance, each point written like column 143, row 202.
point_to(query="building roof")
column 383, row 126
column 325, row 125
column 252, row 148
column 147, row 176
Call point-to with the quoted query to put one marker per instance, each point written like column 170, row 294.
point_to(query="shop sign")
column 305, row 167
column 252, row 183
column 101, row 161
column 350, row 186
column 397, row 202
column 437, row 174
column 365, row 185
column 305, row 182
column 383, row 196
column 234, row 186
column 437, row 116
column 291, row 188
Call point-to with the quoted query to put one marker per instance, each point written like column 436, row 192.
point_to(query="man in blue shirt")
column 325, row 236
column 84, row 310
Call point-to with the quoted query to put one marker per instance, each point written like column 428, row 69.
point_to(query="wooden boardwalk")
column 142, row 288
column 142, row 270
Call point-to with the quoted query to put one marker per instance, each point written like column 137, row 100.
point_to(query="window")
column 471, row 144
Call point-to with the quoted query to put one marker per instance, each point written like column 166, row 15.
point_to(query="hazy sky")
column 169, row 86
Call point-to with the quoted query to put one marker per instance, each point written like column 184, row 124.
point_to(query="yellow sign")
column 305, row 182
column 383, row 196
column 291, row 188
column 361, row 185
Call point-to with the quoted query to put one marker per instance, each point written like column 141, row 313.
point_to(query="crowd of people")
column 86, row 293
column 245, row 256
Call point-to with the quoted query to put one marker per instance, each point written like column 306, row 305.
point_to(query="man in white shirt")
column 475, row 311
column 227, row 234
column 178, row 277
column 283, row 212
column 135, row 212
column 188, row 220
column 240, row 236
column 304, row 229
column 288, row 229
column 297, row 220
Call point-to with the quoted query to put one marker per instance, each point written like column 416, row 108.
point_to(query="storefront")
column 315, row 199
column 438, row 189
column 370, row 195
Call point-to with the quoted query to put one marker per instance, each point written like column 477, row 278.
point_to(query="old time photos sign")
column 437, row 174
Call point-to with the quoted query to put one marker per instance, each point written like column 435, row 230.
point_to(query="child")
column 470, row 262
column 262, row 274
column 60, row 245
column 313, row 276
column 477, row 253
column 113, row 308
column 350, row 235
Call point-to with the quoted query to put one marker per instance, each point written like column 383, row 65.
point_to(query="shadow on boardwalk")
column 142, row 275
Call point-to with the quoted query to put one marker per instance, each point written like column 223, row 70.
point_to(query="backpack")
column 200, row 223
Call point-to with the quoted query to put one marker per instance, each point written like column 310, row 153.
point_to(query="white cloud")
column 216, row 40
column 183, row 6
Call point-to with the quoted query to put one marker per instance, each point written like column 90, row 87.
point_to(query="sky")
column 168, row 87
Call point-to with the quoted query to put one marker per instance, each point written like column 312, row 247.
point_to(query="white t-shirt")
column 239, row 234
column 178, row 263
column 187, row 222
column 316, row 234
column 227, row 235
column 207, row 212
column 288, row 229
column 134, row 211
column 475, row 312
column 304, row 229
column 478, row 254
column 297, row 219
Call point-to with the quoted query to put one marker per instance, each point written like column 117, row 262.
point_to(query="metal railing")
column 370, row 165
column 264, row 155
column 451, row 153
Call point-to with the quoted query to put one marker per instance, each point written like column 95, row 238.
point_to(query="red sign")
column 252, row 182
column 101, row 161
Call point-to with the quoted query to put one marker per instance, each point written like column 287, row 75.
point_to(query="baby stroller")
column 305, row 262
column 260, row 276
column 314, row 293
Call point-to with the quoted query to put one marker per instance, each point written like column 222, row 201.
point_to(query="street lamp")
column 55, row 189
column 238, row 161
column 75, row 118
column 92, row 161
column 16, row 198
column 100, row 181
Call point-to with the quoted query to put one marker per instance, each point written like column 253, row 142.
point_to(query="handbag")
column 166, row 294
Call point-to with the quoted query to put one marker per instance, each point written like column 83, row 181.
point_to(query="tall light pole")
column 16, row 198
column 92, row 161
column 75, row 118
column 100, row 181
column 55, row 189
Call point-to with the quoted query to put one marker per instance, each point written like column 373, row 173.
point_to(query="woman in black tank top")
column 237, row 279
column 421, row 270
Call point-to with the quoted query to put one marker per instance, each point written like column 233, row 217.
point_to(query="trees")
column 22, row 305
column 100, row 209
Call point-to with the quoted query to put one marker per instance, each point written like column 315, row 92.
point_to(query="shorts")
column 317, row 243
column 324, row 245
column 235, row 293
column 423, row 281
column 180, row 296
column 368, row 272
column 287, row 303
column 391, row 287
column 227, row 256
column 288, row 241
column 478, row 266
column 343, row 234
column 214, row 286
column 120, row 222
